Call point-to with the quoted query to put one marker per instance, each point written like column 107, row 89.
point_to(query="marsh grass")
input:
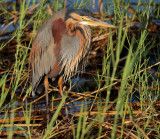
column 126, row 71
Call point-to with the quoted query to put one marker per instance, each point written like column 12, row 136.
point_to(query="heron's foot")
column 47, row 113
column 65, row 105
column 46, row 84
column 67, row 114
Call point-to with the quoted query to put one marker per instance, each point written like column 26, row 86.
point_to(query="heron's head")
column 73, row 21
column 83, row 17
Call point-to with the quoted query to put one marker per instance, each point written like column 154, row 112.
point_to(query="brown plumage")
column 51, row 53
column 61, row 44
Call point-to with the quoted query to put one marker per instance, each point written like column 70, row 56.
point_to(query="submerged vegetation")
column 116, row 96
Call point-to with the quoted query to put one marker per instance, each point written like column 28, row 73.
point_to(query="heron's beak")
column 94, row 22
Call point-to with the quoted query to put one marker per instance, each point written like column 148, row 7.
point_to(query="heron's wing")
column 42, row 60
column 42, row 56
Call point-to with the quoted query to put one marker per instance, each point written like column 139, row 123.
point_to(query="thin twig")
column 49, row 9
column 65, row 4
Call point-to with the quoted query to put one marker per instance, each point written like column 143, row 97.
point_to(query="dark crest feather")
column 81, row 12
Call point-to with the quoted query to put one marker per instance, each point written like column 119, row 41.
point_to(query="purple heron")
column 60, row 45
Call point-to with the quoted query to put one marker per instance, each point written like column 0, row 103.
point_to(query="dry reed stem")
column 22, row 125
column 100, row 7
column 108, row 113
column 5, row 133
column 18, row 119
column 65, row 4
column 140, row 129
column 49, row 9
column 142, row 115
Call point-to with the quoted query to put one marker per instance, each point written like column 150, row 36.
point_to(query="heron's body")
column 60, row 45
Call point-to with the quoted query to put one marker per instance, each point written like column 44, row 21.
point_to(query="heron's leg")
column 46, row 84
column 60, row 84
